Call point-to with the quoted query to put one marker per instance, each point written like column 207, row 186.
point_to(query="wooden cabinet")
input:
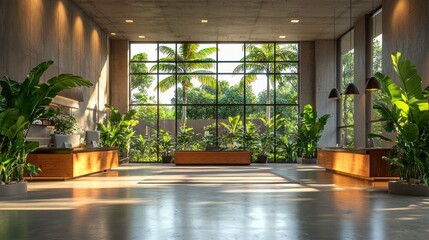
column 366, row 163
column 66, row 163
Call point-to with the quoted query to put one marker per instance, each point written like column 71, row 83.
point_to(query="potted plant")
column 310, row 130
column 20, row 105
column 166, row 146
column 405, row 111
column 66, row 129
column 265, row 142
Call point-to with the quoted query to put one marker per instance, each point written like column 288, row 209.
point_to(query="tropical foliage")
column 265, row 59
column 118, row 130
column 405, row 110
column 309, row 131
column 192, row 63
column 20, row 105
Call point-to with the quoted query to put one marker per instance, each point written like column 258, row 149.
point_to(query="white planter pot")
column 62, row 141
column 13, row 189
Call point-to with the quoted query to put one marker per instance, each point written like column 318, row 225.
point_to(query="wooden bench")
column 212, row 157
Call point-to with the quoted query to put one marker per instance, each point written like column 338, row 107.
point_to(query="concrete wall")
column 33, row 31
column 307, row 86
column 119, row 85
column 405, row 29
column 325, row 80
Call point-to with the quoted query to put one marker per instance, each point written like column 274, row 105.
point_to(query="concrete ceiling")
column 228, row 20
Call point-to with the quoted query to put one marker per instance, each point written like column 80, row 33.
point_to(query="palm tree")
column 260, row 59
column 191, row 64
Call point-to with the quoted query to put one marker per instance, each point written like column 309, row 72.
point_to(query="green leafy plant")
column 165, row 143
column 64, row 123
column 186, row 138
column 265, row 143
column 405, row 111
column 232, row 138
column 143, row 149
column 209, row 139
column 310, row 130
column 20, row 105
column 288, row 149
column 118, row 130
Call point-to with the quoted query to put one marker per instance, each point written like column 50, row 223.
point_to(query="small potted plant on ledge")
column 309, row 132
column 405, row 111
column 66, row 129
column 166, row 146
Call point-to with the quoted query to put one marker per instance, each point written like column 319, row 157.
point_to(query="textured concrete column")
column 307, row 75
column 119, row 86
column 325, row 81
column 360, row 75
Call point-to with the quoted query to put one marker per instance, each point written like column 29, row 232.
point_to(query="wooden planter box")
column 212, row 158
column 365, row 163
column 66, row 163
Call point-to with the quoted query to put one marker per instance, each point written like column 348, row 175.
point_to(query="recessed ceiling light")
column 113, row 34
column 282, row 36
column 204, row 20
column 129, row 20
column 141, row 36
column 294, row 21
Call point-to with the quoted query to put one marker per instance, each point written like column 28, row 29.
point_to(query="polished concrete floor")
column 273, row 201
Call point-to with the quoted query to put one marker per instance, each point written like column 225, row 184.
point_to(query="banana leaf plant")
column 405, row 111
column 20, row 105
column 310, row 130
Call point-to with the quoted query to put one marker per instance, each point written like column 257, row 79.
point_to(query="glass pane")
column 259, row 52
column 282, row 67
column 230, row 90
column 347, row 137
column 197, row 67
column 144, row 148
column 230, row 67
column 144, row 51
column 230, row 51
column 230, row 138
column 167, row 52
column 347, row 111
column 263, row 142
column 287, row 89
column 142, row 67
column 196, row 52
column 167, row 88
column 143, row 88
column 287, row 52
column 198, row 95
column 260, row 86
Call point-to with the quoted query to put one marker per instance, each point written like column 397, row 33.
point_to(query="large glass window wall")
column 226, row 95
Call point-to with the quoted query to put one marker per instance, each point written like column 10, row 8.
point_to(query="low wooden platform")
column 66, row 163
column 365, row 163
column 212, row 157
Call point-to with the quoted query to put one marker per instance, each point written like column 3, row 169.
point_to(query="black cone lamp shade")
column 351, row 90
column 373, row 84
column 334, row 94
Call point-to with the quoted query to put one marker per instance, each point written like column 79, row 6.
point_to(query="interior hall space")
column 192, row 119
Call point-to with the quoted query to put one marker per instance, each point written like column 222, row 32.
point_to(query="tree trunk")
column 345, row 118
column 268, row 108
column 185, row 101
